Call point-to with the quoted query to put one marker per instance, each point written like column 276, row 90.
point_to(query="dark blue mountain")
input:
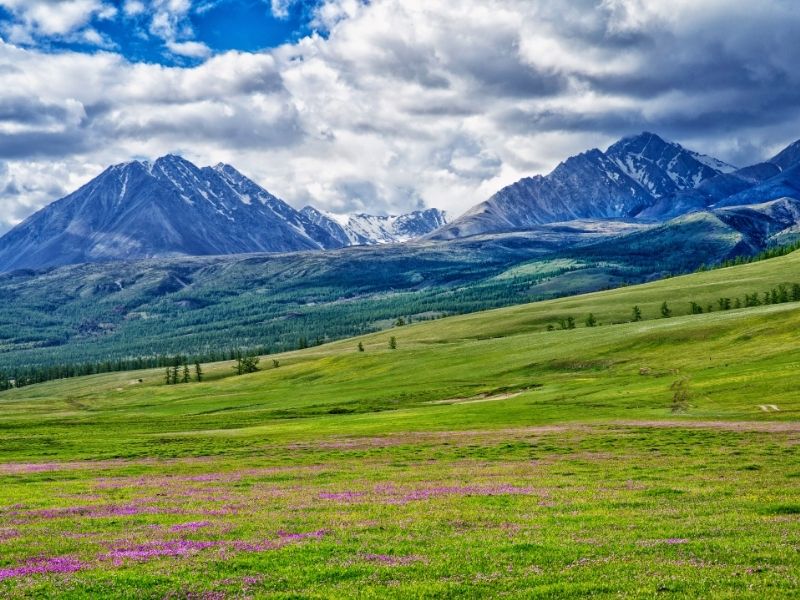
column 172, row 208
column 167, row 208
column 642, row 177
column 630, row 178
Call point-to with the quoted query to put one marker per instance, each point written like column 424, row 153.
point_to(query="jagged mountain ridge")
column 640, row 177
column 172, row 208
column 166, row 208
column 365, row 230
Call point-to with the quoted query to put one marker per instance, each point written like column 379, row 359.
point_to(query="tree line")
column 777, row 295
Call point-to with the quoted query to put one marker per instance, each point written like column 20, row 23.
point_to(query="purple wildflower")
column 302, row 536
column 151, row 550
column 263, row 546
column 35, row 566
column 191, row 526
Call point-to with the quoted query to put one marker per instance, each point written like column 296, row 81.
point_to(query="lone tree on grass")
column 568, row 323
column 392, row 343
column 198, row 372
column 360, row 347
column 246, row 364
column 637, row 313
column 666, row 311
column 590, row 320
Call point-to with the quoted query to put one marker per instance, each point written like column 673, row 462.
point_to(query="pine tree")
column 392, row 343
column 590, row 320
column 666, row 312
column 168, row 377
column 637, row 313
column 185, row 378
column 360, row 347
column 198, row 372
column 175, row 374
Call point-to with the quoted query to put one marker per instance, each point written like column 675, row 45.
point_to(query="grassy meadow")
column 485, row 456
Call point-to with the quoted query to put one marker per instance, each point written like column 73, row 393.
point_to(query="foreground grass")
column 485, row 456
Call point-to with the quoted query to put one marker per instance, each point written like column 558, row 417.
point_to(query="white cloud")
column 406, row 101
column 280, row 8
column 53, row 17
column 133, row 8
column 190, row 49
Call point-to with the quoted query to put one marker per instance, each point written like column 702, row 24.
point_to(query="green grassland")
column 484, row 457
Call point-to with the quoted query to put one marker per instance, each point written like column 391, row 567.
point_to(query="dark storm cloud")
column 31, row 111
column 412, row 99
column 40, row 144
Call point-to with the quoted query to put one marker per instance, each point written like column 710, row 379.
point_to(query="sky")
column 382, row 106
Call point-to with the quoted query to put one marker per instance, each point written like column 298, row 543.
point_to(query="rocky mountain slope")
column 365, row 230
column 173, row 208
column 642, row 177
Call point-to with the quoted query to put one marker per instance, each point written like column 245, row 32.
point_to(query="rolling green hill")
column 206, row 306
column 484, row 456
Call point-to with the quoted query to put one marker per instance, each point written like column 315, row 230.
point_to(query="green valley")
column 485, row 454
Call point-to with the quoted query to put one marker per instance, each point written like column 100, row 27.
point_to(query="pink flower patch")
column 302, row 536
column 150, row 550
column 37, row 566
column 192, row 526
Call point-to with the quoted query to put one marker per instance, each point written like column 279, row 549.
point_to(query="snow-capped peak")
column 364, row 229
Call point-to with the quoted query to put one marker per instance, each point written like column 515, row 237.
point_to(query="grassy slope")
column 602, row 487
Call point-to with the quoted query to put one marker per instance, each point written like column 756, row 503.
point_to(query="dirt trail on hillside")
column 768, row 426
column 476, row 399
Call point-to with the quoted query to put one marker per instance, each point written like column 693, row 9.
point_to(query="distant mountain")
column 627, row 179
column 366, row 230
column 173, row 208
column 703, row 237
column 166, row 208
column 642, row 177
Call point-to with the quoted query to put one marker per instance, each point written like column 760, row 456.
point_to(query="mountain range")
column 170, row 207
column 642, row 210
column 642, row 177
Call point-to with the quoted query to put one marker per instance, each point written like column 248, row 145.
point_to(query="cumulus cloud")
column 280, row 8
column 190, row 49
column 59, row 18
column 404, row 103
column 133, row 8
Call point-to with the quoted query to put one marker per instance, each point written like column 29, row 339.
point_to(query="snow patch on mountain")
column 365, row 230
